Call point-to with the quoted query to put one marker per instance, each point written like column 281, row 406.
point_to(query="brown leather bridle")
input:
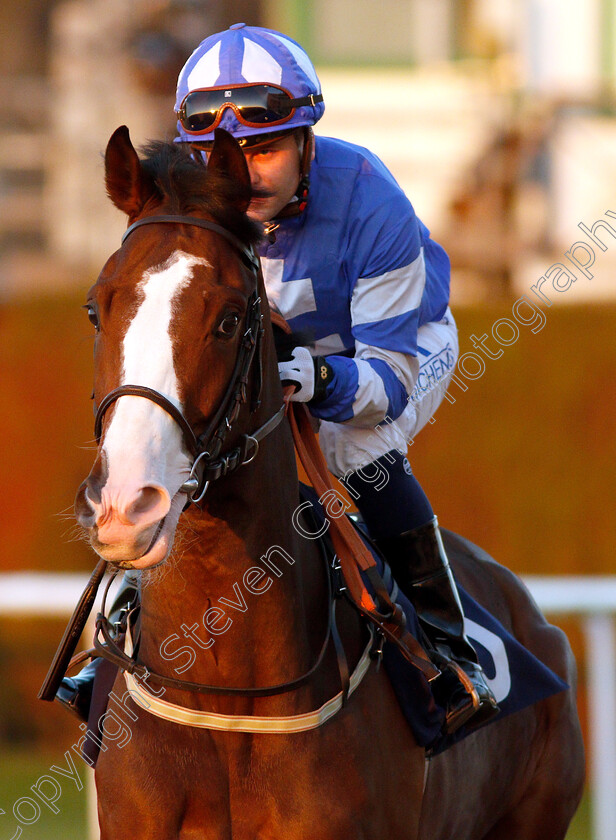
column 209, row 462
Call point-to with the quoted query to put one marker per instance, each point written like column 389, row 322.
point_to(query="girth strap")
column 282, row 725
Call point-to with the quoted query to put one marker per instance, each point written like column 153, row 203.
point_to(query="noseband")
column 209, row 463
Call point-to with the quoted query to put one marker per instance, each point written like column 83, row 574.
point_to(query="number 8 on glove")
column 309, row 374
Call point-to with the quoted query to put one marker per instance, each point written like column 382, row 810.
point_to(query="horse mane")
column 186, row 187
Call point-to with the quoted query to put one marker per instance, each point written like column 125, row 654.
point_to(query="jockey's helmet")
column 254, row 82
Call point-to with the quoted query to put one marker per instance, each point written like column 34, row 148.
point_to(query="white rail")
column 594, row 600
column 591, row 599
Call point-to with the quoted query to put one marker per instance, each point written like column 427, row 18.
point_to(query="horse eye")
column 92, row 314
column 228, row 325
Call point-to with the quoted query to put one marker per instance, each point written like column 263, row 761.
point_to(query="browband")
column 248, row 254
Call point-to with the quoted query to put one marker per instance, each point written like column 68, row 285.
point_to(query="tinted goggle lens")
column 257, row 105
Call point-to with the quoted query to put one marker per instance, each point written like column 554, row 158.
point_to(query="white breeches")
column 347, row 447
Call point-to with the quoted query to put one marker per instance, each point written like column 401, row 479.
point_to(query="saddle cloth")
column 517, row 678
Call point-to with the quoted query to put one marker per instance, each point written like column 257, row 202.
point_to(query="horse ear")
column 128, row 185
column 228, row 159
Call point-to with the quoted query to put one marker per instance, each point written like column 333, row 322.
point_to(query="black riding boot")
column 75, row 693
column 420, row 565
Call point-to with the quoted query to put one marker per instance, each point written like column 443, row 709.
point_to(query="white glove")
column 299, row 371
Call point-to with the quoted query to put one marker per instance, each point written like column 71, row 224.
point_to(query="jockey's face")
column 275, row 169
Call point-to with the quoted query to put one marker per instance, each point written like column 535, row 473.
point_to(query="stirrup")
column 464, row 694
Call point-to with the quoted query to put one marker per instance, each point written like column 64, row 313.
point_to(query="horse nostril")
column 92, row 491
column 146, row 501
column 88, row 498
column 83, row 509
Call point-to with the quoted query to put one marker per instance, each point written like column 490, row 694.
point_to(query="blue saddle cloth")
column 517, row 678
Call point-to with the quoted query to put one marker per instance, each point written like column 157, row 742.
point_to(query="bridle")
column 209, row 461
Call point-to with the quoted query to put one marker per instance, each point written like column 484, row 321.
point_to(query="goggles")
column 255, row 106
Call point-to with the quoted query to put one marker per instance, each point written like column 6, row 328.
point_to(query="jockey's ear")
column 128, row 185
column 227, row 159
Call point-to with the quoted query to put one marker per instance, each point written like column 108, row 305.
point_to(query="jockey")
column 346, row 260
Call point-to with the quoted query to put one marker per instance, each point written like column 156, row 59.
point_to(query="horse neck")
column 242, row 576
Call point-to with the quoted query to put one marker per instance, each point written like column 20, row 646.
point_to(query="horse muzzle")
column 129, row 527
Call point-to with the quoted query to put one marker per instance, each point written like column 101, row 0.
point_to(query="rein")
column 354, row 556
column 208, row 465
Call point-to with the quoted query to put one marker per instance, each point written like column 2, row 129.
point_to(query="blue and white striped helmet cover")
column 245, row 54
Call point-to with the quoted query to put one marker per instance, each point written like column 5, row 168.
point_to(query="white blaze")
column 143, row 442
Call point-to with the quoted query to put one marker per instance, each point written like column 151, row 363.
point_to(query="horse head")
column 177, row 316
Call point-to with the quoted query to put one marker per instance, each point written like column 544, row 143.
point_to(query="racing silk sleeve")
column 398, row 279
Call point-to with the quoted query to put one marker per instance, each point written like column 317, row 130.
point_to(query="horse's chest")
column 245, row 794
column 326, row 785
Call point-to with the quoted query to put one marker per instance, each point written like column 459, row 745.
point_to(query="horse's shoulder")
column 505, row 595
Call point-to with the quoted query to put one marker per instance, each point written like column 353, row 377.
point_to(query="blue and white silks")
column 359, row 272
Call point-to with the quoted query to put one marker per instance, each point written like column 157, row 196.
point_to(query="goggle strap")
column 295, row 208
column 284, row 103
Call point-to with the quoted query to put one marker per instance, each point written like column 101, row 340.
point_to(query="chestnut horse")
column 239, row 598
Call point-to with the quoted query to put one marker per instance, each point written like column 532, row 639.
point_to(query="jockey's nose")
column 253, row 170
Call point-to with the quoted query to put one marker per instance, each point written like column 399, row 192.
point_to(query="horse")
column 234, row 594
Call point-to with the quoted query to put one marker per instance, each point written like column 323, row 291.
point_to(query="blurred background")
column 496, row 116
